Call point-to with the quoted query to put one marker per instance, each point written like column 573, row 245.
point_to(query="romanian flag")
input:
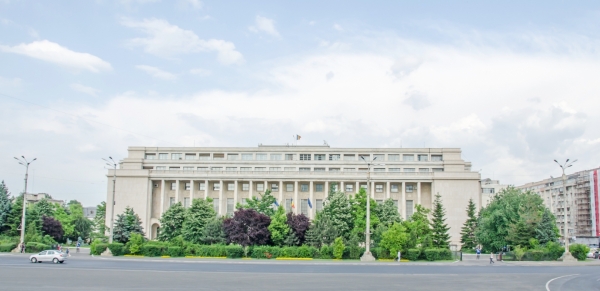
column 276, row 204
column 293, row 204
column 297, row 137
column 309, row 204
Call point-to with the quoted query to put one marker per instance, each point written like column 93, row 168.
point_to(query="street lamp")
column 567, row 255
column 111, row 163
column 367, row 256
column 23, row 161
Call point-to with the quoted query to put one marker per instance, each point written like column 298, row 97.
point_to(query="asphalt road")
column 86, row 273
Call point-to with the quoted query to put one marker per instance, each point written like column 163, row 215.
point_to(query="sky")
column 514, row 84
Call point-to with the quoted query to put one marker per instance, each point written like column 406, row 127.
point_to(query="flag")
column 309, row 204
column 293, row 204
column 298, row 137
column 276, row 204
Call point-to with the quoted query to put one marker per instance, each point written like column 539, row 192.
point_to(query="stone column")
column 372, row 186
column 177, row 191
column 191, row 192
column 250, row 187
column 235, row 193
column 266, row 187
column 162, row 196
column 312, row 200
column 221, row 197
column 295, row 201
column 326, row 188
column 419, row 193
column 205, row 189
column 281, row 193
column 388, row 191
column 357, row 187
column 342, row 187
column 403, row 201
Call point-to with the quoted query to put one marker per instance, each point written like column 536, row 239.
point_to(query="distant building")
column 90, row 212
column 489, row 188
column 33, row 198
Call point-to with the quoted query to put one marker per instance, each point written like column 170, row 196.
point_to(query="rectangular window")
column 319, row 187
column 163, row 156
column 304, row 169
column 488, row 190
column 408, row 158
column 288, row 205
column 319, row 157
column 275, row 157
column 423, row 158
column 349, row 187
column 216, row 168
column 319, row 204
column 378, row 188
column 366, row 157
column 275, row 169
column 230, row 186
column 349, row 157
column 379, row 157
column 188, row 169
column 394, row 169
column 349, row 169
column 243, row 201
column 436, row 158
column 245, row 169
column 275, row 187
column 424, row 170
column 229, row 206
column 395, row 203
column 150, row 156
column 261, row 157
column 409, row 170
column 409, row 209
column 260, row 169
column 231, row 169
column 394, row 188
column 438, row 169
column 379, row 170
column 288, row 169
column 218, row 157
column 409, row 188
column 319, row 169
column 260, row 187
column 175, row 156
column 334, row 169
column 204, row 157
column 216, row 186
column 201, row 186
column 394, row 158
column 190, row 156
column 304, row 206
column 334, row 157
column 203, row 169
column 216, row 204
column 245, row 187
column 186, row 202
column 162, row 168
column 303, row 187
column 363, row 186
column 362, row 169
column 305, row 157
column 232, row 157
column 173, row 186
column 289, row 187
column 247, row 157
column 171, row 201
column 187, row 186
column 335, row 187
column 173, row 168
column 289, row 157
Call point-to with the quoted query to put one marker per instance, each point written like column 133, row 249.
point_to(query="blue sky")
column 513, row 84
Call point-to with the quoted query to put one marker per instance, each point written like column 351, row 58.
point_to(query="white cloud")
column 263, row 24
column 85, row 89
column 338, row 27
column 54, row 53
column 156, row 72
column 200, row 72
column 167, row 40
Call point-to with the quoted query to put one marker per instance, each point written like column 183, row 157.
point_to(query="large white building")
column 489, row 189
column 150, row 179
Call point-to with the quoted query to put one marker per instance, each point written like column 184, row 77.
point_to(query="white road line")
column 548, row 283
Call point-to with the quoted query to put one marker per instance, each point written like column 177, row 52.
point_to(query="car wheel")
column 62, row 262
column 55, row 260
column 33, row 260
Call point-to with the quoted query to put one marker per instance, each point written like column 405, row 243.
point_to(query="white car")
column 48, row 256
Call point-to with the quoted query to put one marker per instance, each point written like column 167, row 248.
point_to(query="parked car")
column 48, row 256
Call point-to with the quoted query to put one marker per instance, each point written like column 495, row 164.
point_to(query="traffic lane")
column 575, row 282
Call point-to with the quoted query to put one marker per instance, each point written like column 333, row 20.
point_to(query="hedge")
column 33, row 247
column 117, row 249
column 154, row 250
column 437, row 254
column 579, row 251
column 353, row 252
column 382, row 254
column 7, row 247
column 413, row 254
column 175, row 251
column 326, row 252
column 98, row 249
column 234, row 251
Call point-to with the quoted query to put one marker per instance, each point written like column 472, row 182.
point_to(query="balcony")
column 263, row 174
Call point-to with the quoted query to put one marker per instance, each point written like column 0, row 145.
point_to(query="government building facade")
column 151, row 179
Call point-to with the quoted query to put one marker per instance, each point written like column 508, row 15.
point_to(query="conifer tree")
column 338, row 212
column 388, row 213
column 171, row 222
column 126, row 224
column 100, row 219
column 467, row 233
column 196, row 218
column 13, row 220
column 5, row 206
column 546, row 230
column 278, row 227
column 439, row 229
column 213, row 232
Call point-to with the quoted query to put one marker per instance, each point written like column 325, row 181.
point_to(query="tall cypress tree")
column 467, row 233
column 126, row 224
column 5, row 206
column 439, row 229
column 171, row 222
column 196, row 218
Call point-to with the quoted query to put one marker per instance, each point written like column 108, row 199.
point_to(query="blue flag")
column 276, row 204
column 309, row 204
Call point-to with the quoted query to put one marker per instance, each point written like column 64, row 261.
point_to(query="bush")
column 326, row 252
column 234, row 251
column 266, row 252
column 305, row 251
column 211, row 250
column 289, row 252
column 175, row 251
column 519, row 253
column 432, row 254
column 353, row 252
column 135, row 243
column 117, row 249
column 338, row 248
column 33, row 247
column 444, row 254
column 537, row 255
column 413, row 254
column 7, row 247
column 382, row 254
column 579, row 251
column 98, row 248
column 554, row 250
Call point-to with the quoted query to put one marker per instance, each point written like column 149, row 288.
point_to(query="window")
column 379, row 170
column 275, row 187
column 289, row 157
column 424, row 170
column 232, row 157
column 247, row 157
column 245, row 169
column 187, row 186
column 319, row 157
column 229, row 206
column 203, row 169
column 204, row 157
column 216, row 186
column 163, row 156
column 362, row 169
column 394, row 158
column 488, row 190
column 175, row 156
column 216, row 169
column 334, row 169
column 349, row 169
column 289, row 187
column 230, row 186
column 190, row 156
column 275, row 169
column 436, row 158
column 173, row 186
column 276, row 157
column 201, row 186
column 245, row 187
column 319, row 204
column 289, row 169
column 231, row 169
column 304, row 169
column 150, row 156
column 438, row 169
column 260, row 187
column 350, row 157
column 260, row 169
column 409, row 188
column 303, row 187
column 379, row 157
column 409, row 209
column 304, row 206
column 188, row 169
column 288, row 205
column 409, row 170
column 186, row 202
column 173, row 168
column 243, row 201
column 423, row 158
column 395, row 204
column 319, row 169
column 319, row 187
column 378, row 188
column 394, row 169
column 216, row 204
column 218, row 156
column 349, row 187
column 363, row 186
column 408, row 158
column 305, row 157
column 334, row 157
column 394, row 188
column 261, row 157
column 162, row 168
column 364, row 156
column 171, row 201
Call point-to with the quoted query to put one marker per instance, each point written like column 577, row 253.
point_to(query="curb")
column 198, row 257
column 293, row 259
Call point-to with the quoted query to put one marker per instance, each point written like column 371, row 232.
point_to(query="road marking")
column 548, row 283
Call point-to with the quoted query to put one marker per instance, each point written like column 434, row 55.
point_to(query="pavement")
column 84, row 272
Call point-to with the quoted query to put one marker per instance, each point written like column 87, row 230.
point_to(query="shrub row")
column 33, row 247
column 98, row 248
column 579, row 251
column 7, row 247
column 117, row 249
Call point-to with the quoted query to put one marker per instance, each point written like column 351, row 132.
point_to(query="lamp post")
column 367, row 256
column 566, row 255
column 113, row 164
column 23, row 161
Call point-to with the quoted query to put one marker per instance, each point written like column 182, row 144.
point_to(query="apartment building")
column 489, row 188
column 33, row 198
column 150, row 179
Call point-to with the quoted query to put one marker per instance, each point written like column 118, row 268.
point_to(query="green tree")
column 439, row 229
column 135, row 243
column 82, row 228
column 65, row 220
column 467, row 233
column 279, row 228
column 394, row 239
column 13, row 220
column 338, row 248
column 100, row 218
column 5, row 207
column 418, row 227
column 388, row 213
column 321, row 232
column 45, row 208
column 546, row 231
column 32, row 234
column 196, row 218
column 359, row 214
column 337, row 210
column 127, row 224
column 263, row 205
column 213, row 232
column 171, row 222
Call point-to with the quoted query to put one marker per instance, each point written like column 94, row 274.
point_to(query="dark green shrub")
column 153, row 250
column 432, row 254
column 353, row 252
column 305, row 251
column 289, row 252
column 554, row 250
column 381, row 253
column 413, row 254
column 444, row 254
column 326, row 252
column 192, row 250
column 579, row 251
column 234, row 251
column 537, row 255
column 33, row 247
column 175, row 251
column 98, row 248
column 117, row 249
column 7, row 247
column 212, row 251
